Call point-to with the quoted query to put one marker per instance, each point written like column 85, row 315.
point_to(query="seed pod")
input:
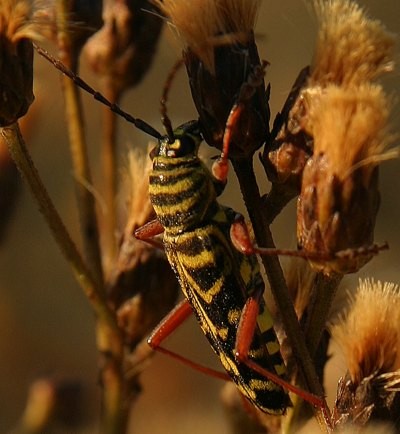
column 339, row 197
column 122, row 51
column 220, row 55
column 369, row 337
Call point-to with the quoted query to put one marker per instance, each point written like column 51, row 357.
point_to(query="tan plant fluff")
column 369, row 334
column 349, row 127
column 203, row 24
column 351, row 48
column 16, row 20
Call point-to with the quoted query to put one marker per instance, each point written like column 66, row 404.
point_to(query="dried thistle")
column 221, row 56
column 369, row 336
column 339, row 198
column 202, row 25
column 351, row 48
column 16, row 63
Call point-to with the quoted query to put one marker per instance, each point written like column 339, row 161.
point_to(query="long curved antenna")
column 164, row 98
column 139, row 123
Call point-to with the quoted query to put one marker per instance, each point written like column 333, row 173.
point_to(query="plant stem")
column 78, row 148
column 109, row 339
column 25, row 165
column 251, row 195
column 324, row 290
column 109, row 155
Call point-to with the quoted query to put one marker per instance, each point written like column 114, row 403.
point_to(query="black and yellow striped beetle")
column 222, row 286
column 217, row 280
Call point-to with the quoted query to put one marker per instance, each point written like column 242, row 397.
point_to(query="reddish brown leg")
column 167, row 326
column 242, row 241
column 244, row 337
column 220, row 167
column 148, row 231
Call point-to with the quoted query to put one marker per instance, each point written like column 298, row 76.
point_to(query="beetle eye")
column 185, row 146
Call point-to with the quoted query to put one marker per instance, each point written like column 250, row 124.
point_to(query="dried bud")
column 285, row 158
column 369, row 336
column 221, row 56
column 16, row 60
column 339, row 197
column 123, row 50
column 143, row 287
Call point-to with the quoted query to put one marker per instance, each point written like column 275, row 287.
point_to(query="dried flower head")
column 351, row 48
column 202, row 25
column 223, row 67
column 16, row 23
column 369, row 333
column 16, row 59
column 339, row 197
column 369, row 336
column 349, row 127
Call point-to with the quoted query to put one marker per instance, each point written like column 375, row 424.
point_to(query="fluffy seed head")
column 369, row 334
column 351, row 48
column 203, row 24
column 349, row 128
column 15, row 21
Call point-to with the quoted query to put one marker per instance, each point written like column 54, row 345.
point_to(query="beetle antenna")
column 164, row 98
column 139, row 123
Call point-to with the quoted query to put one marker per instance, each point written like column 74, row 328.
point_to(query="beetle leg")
column 167, row 326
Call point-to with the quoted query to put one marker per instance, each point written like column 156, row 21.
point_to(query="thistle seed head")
column 351, row 48
column 201, row 25
column 369, row 336
column 369, row 332
column 339, row 197
column 223, row 67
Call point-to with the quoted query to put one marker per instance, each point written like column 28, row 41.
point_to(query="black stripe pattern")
column 214, row 276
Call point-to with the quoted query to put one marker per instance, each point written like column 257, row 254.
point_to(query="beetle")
column 222, row 285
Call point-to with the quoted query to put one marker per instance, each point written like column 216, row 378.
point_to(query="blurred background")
column 46, row 325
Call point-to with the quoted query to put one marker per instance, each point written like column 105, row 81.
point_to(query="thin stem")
column 324, row 290
column 23, row 161
column 273, row 269
column 109, row 155
column 274, row 202
column 109, row 339
column 78, row 149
